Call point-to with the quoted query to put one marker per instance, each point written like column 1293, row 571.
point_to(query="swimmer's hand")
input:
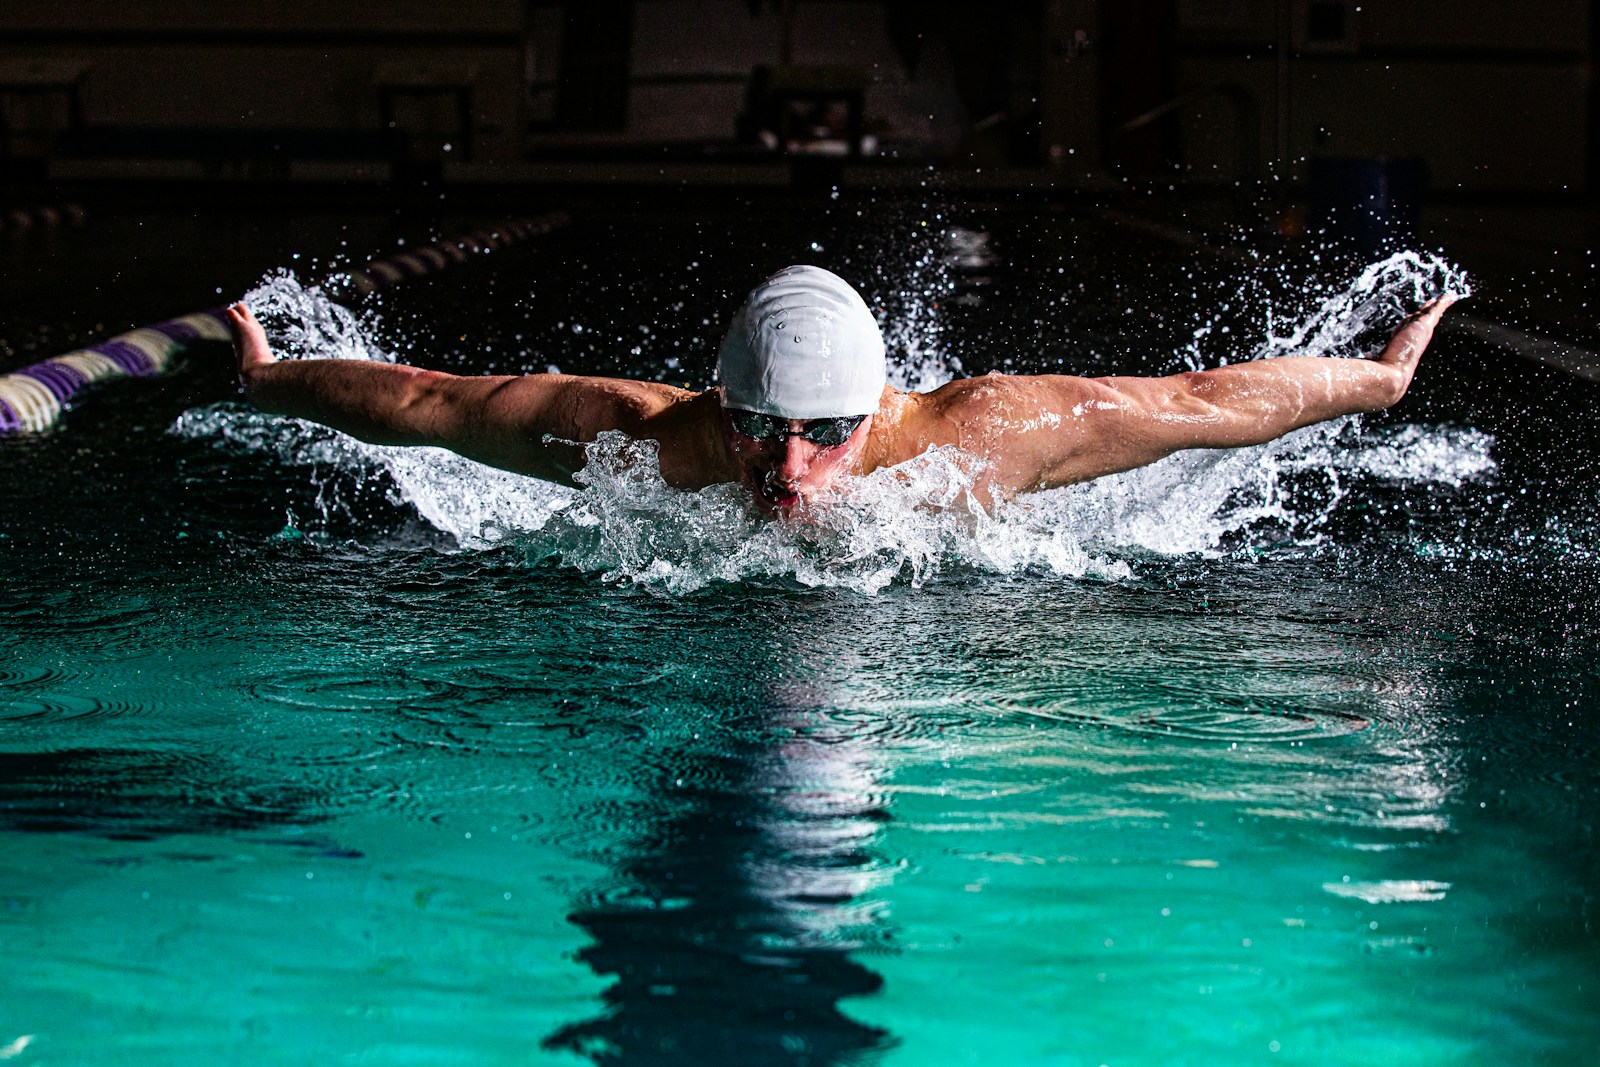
column 1405, row 348
column 249, row 342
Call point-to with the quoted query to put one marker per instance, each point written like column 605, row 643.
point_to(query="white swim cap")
column 803, row 346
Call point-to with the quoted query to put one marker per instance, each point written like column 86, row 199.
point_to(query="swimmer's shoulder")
column 594, row 404
column 985, row 397
column 969, row 412
column 682, row 420
column 977, row 395
column 688, row 428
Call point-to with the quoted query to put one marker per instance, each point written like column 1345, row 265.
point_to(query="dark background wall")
column 1496, row 97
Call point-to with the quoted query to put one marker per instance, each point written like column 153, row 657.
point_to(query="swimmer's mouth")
column 780, row 497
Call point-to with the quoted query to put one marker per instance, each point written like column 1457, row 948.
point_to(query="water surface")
column 313, row 752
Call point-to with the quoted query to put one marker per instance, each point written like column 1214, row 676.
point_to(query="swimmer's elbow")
column 1389, row 385
column 420, row 412
column 1374, row 387
column 441, row 409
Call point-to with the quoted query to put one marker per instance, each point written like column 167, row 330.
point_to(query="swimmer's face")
column 782, row 466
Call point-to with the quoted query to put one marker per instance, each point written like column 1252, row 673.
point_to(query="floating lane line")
column 34, row 398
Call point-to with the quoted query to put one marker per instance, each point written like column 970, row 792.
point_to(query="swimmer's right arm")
column 532, row 424
column 1040, row 432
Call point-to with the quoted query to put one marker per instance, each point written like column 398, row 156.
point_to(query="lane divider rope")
column 34, row 398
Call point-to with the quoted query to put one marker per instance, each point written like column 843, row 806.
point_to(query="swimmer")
column 802, row 400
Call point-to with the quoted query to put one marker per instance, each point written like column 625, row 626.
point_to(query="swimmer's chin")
column 775, row 503
column 782, row 506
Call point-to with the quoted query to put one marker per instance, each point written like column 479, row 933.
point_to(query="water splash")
column 1193, row 502
column 305, row 322
column 1307, row 319
column 478, row 506
column 1379, row 298
column 911, row 282
column 914, row 523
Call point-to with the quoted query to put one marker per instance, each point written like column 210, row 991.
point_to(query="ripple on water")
column 445, row 794
column 119, row 622
column 1214, row 719
column 606, row 832
column 147, row 793
column 472, row 707
column 327, row 689
column 859, row 724
column 319, row 749
column 18, row 704
column 26, row 674
column 520, row 721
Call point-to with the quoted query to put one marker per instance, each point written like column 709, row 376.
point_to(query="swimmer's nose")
column 796, row 461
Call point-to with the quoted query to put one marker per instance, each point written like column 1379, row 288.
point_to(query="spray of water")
column 912, row 523
column 305, row 322
column 1384, row 293
column 910, row 283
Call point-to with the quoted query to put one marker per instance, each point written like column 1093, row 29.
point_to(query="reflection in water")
column 730, row 927
column 131, row 794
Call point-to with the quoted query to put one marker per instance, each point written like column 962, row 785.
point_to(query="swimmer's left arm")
column 1108, row 425
column 532, row 424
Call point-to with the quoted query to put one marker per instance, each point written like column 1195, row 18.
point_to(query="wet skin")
column 782, row 472
column 1031, row 432
column 779, row 472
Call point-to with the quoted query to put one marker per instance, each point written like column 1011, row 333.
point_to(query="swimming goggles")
column 829, row 433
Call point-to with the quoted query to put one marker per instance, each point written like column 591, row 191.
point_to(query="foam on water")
column 913, row 523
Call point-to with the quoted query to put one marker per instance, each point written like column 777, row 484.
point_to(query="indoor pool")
column 316, row 752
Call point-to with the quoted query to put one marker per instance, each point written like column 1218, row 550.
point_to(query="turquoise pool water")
column 309, row 752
